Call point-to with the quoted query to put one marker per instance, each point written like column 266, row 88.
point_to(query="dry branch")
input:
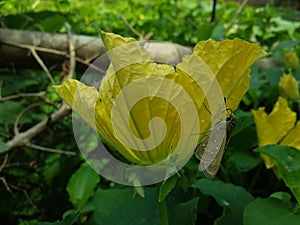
column 54, row 49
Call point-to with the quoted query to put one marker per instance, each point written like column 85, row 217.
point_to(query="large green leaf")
column 119, row 206
column 184, row 213
column 287, row 160
column 270, row 211
column 232, row 198
column 82, row 184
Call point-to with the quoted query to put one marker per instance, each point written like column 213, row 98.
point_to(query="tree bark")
column 17, row 46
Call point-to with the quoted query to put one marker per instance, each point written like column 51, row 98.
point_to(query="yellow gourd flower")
column 288, row 87
column 291, row 59
column 277, row 128
column 228, row 61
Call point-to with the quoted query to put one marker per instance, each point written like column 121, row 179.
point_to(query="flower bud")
column 291, row 59
column 288, row 87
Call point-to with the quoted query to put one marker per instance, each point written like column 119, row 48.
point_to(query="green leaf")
column 68, row 220
column 82, row 184
column 9, row 110
column 218, row 32
column 3, row 147
column 240, row 157
column 166, row 187
column 52, row 167
column 283, row 196
column 287, row 160
column 232, row 198
column 269, row 211
column 53, row 23
column 118, row 206
column 184, row 213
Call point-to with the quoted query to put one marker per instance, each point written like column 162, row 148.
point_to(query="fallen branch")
column 54, row 49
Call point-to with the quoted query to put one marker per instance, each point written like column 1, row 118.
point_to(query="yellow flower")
column 141, row 16
column 277, row 128
column 291, row 59
column 228, row 61
column 288, row 87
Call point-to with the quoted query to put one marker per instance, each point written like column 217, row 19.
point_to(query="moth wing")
column 210, row 168
column 211, row 150
column 201, row 148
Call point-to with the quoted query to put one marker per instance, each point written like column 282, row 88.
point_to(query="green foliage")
column 119, row 206
column 269, row 211
column 184, row 213
column 232, row 198
column 82, row 184
column 38, row 186
column 287, row 159
column 166, row 187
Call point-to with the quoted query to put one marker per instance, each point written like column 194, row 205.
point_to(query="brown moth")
column 210, row 165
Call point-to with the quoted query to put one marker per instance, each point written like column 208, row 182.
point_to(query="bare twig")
column 72, row 53
column 237, row 13
column 140, row 35
column 16, row 131
column 192, row 22
column 5, row 184
column 22, row 95
column 56, row 52
column 45, row 149
column 23, row 138
column 130, row 27
column 4, row 162
column 25, row 193
column 40, row 61
column 148, row 36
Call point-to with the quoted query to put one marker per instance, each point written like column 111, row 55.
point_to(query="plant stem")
column 163, row 214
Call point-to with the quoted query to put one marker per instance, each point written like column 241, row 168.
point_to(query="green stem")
column 163, row 214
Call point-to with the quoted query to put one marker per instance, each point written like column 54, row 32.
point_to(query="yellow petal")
column 80, row 97
column 263, row 128
column 269, row 163
column 272, row 128
column 288, row 87
column 282, row 119
column 293, row 137
column 230, row 60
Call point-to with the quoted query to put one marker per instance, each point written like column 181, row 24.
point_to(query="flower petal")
column 263, row 128
column 282, row 119
column 230, row 60
column 80, row 97
column 272, row 128
column 288, row 87
column 293, row 137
